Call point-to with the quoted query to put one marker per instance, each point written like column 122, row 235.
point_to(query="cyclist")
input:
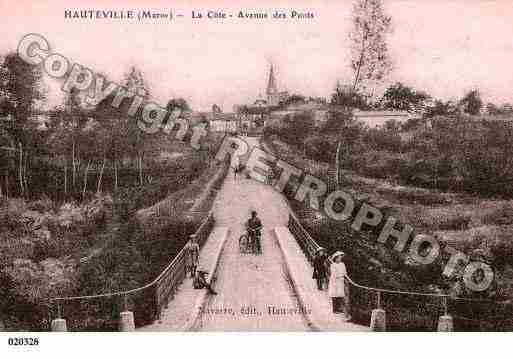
column 254, row 226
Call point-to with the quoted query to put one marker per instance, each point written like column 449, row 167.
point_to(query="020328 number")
column 23, row 341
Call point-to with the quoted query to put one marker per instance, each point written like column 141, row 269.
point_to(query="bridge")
column 273, row 291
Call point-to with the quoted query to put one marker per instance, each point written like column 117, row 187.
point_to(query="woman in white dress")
column 336, row 284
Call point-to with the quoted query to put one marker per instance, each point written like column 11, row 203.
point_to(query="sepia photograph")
column 273, row 166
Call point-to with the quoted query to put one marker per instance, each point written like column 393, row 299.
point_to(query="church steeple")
column 271, row 85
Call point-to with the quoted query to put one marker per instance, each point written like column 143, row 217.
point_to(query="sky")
column 443, row 47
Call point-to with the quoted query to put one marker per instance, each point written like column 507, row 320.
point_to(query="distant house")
column 223, row 122
column 281, row 114
column 217, row 121
column 376, row 119
column 252, row 118
column 6, row 118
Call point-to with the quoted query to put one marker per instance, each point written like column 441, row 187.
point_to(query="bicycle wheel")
column 243, row 243
column 258, row 244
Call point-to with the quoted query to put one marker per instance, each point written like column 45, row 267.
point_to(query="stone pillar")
column 59, row 325
column 348, row 298
column 378, row 320
column 445, row 324
column 126, row 322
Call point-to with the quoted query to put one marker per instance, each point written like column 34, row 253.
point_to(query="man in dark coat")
column 255, row 225
column 320, row 268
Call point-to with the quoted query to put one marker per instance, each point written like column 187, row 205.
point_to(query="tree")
column 347, row 97
column 292, row 99
column 58, row 141
column 114, row 133
column 485, row 155
column 177, row 106
column 216, row 109
column 404, row 98
column 297, row 128
column 370, row 59
column 340, row 121
column 492, row 109
column 349, row 136
column 441, row 108
column 472, row 102
column 21, row 91
column 76, row 121
column 89, row 151
column 179, row 103
column 135, row 83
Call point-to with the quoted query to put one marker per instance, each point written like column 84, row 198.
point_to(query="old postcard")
column 275, row 166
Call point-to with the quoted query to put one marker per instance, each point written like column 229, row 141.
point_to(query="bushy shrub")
column 321, row 149
column 296, row 129
column 383, row 139
column 418, row 196
column 501, row 216
column 457, row 222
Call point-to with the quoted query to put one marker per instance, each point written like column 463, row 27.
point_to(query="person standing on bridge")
column 336, row 288
column 320, row 273
column 192, row 250
column 235, row 165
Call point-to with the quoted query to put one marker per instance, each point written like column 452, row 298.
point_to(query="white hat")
column 337, row 254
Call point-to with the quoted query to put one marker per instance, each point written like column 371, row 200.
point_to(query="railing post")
column 59, row 324
column 445, row 322
column 155, row 302
column 348, row 298
column 378, row 316
column 126, row 318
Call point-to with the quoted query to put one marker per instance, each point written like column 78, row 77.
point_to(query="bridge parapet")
column 148, row 301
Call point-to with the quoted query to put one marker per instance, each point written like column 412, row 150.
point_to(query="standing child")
column 320, row 272
column 192, row 250
column 200, row 281
column 336, row 288
column 235, row 165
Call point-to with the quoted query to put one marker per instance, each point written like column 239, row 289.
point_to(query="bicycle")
column 248, row 242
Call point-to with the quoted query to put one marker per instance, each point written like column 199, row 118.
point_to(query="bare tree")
column 370, row 60
column 73, row 109
column 21, row 92
column 472, row 102
column 134, row 82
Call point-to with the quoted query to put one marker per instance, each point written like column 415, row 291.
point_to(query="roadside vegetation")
column 72, row 180
column 448, row 176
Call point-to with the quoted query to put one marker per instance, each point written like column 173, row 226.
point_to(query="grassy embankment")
column 53, row 249
column 466, row 222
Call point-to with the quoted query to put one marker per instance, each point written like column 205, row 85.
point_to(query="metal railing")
column 147, row 301
column 413, row 310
